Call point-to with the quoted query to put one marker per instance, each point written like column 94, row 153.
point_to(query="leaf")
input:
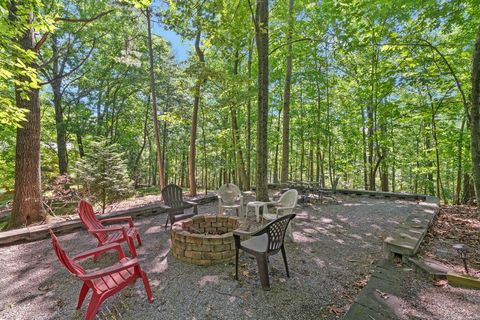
column 335, row 309
column 440, row 283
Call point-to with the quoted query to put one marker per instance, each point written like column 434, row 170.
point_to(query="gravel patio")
column 330, row 258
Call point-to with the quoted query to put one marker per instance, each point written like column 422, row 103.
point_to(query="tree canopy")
column 377, row 93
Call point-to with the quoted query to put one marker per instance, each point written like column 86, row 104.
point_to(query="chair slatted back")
column 173, row 197
column 72, row 266
column 229, row 193
column 89, row 219
column 276, row 231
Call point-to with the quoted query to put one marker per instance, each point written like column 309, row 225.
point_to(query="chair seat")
column 231, row 205
column 255, row 244
column 270, row 216
column 118, row 236
column 114, row 280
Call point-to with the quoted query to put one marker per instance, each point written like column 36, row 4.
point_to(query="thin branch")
column 41, row 41
column 253, row 15
column 98, row 16
column 290, row 42
column 74, row 69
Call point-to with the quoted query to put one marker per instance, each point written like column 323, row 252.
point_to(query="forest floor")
column 330, row 257
column 453, row 225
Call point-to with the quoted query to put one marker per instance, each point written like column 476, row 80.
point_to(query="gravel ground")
column 423, row 300
column 329, row 257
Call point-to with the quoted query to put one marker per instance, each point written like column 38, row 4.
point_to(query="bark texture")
column 475, row 118
column 27, row 202
column 261, row 33
column 286, row 99
column 156, row 125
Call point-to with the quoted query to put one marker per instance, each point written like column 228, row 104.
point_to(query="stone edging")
column 407, row 237
column 40, row 232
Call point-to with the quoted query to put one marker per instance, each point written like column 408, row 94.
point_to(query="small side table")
column 257, row 205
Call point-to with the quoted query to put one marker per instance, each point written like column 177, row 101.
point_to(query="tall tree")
column 475, row 117
column 27, row 202
column 196, row 106
column 286, row 98
column 153, row 93
column 261, row 36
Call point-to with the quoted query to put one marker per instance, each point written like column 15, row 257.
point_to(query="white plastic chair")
column 283, row 206
column 230, row 197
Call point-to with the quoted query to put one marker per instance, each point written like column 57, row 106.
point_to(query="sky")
column 180, row 47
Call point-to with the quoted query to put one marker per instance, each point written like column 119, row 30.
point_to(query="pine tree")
column 104, row 175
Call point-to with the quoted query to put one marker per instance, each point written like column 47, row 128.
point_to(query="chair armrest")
column 193, row 203
column 109, row 270
column 240, row 233
column 101, row 249
column 284, row 208
column 106, row 230
column 119, row 219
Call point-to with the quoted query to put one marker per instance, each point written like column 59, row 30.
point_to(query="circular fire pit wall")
column 204, row 239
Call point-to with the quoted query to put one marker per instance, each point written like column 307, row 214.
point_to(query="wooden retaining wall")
column 40, row 232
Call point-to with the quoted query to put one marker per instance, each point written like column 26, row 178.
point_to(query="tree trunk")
column 196, row 106
column 458, row 189
column 286, row 98
column 275, row 163
column 57, row 102
column 249, row 123
column 261, row 33
column 136, row 173
column 81, row 152
column 475, row 118
column 27, row 201
column 205, row 166
column 156, row 125
column 240, row 163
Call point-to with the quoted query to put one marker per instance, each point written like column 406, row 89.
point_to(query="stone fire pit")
column 204, row 239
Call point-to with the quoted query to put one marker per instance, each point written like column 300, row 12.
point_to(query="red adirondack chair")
column 106, row 235
column 104, row 282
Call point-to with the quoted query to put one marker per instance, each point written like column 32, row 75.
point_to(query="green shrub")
column 103, row 174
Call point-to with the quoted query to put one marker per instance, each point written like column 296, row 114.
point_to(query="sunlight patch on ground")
column 160, row 262
column 319, row 262
column 352, row 204
column 310, row 231
column 356, row 236
column 154, row 229
column 208, row 279
column 301, row 238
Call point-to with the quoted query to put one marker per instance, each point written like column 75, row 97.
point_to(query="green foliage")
column 103, row 174
column 371, row 85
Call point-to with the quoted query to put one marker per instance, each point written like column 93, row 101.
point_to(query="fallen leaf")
column 440, row 283
column 335, row 309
